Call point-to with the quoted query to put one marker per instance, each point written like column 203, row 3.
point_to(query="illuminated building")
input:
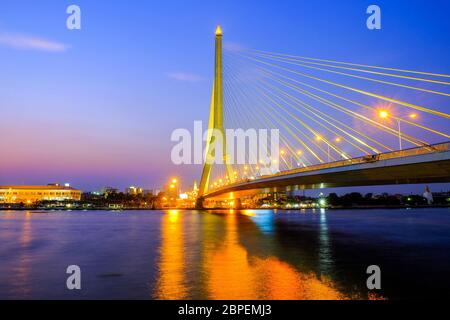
column 134, row 191
column 188, row 198
column 192, row 195
column 32, row 194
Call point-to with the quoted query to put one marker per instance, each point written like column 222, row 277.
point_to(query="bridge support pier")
column 199, row 203
column 237, row 204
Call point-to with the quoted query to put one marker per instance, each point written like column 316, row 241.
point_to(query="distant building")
column 428, row 195
column 193, row 193
column 148, row 192
column 441, row 194
column 33, row 194
column 441, row 197
column 134, row 191
column 106, row 191
column 115, row 206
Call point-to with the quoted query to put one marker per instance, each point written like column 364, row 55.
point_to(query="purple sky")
column 96, row 107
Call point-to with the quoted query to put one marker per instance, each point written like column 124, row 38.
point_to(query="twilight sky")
column 97, row 106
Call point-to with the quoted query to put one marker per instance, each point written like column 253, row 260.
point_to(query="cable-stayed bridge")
column 339, row 123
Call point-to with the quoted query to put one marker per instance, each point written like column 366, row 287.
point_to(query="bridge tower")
column 215, row 122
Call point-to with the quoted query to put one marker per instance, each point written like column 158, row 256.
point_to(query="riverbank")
column 31, row 208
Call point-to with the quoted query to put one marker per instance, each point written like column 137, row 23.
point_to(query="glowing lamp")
column 383, row 114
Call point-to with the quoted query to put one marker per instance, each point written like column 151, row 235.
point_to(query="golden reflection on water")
column 22, row 272
column 171, row 281
column 233, row 274
column 230, row 272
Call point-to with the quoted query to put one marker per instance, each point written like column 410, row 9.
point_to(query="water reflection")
column 21, row 273
column 171, row 282
column 226, row 266
column 228, row 270
column 325, row 254
column 226, row 255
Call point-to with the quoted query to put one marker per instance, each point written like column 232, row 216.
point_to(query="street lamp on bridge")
column 383, row 114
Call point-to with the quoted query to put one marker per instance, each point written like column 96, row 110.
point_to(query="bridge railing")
column 435, row 148
column 426, row 149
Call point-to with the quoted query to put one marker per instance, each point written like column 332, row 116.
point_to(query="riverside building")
column 33, row 194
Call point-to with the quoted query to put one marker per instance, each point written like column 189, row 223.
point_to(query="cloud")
column 183, row 76
column 26, row 42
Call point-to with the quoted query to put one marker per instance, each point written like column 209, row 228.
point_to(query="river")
column 263, row 254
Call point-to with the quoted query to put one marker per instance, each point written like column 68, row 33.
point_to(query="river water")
column 264, row 254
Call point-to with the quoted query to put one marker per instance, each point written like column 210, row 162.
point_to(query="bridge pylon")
column 216, row 125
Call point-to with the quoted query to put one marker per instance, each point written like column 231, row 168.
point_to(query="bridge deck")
column 427, row 164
